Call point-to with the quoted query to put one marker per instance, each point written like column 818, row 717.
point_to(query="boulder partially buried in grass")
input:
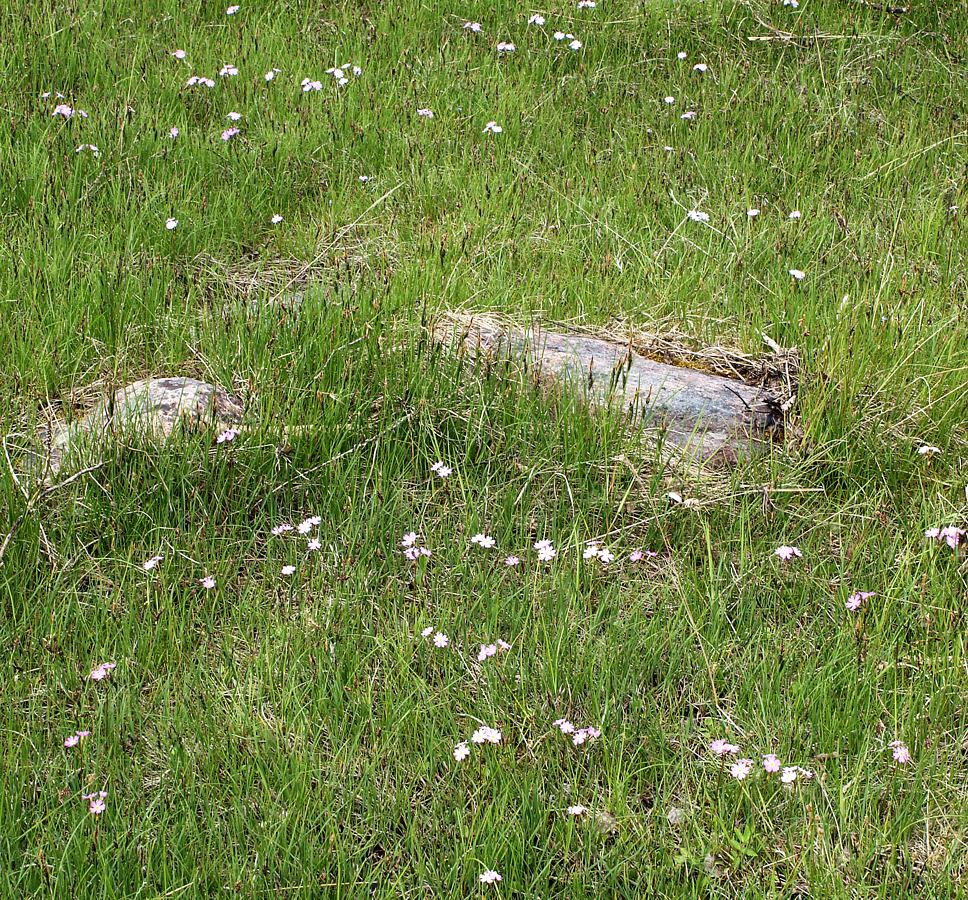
column 152, row 408
column 688, row 403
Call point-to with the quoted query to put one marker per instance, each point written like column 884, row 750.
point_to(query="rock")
column 151, row 408
column 708, row 416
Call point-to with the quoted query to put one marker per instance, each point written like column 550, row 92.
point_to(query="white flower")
column 587, row 4
column 171, row 224
column 441, row 640
column 700, row 67
column 537, row 19
column 429, row 630
column 232, row 10
column 173, row 132
column 681, row 54
column 485, row 734
column 928, row 450
column 697, row 216
column 490, row 877
column 288, row 570
column 560, row 35
column 472, row 26
column 577, row 810
column 228, row 71
column 91, row 148
column 752, row 213
column 271, row 74
column 575, row 45
column 493, row 128
column 506, row 47
column 425, row 113
column 208, row 582
column 462, row 751
column 798, row 274
column 795, row 214
column 276, row 219
column 670, row 99
column 793, row 4
column 234, row 116
column 688, row 114
column 152, row 563
column 308, row 85
column 483, row 540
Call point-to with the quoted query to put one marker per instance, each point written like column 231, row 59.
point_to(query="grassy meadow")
column 335, row 719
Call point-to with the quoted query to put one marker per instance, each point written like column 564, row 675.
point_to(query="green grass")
column 293, row 737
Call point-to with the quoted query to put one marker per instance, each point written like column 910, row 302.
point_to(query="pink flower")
column 100, row 672
column 564, row 726
column 171, row 224
column 787, row 553
column 771, row 763
column 72, row 741
column 472, row 26
column 797, row 274
column 700, row 67
column 900, row 752
column 441, row 640
column 854, row 601
column 230, row 434
column 741, row 769
column 229, row 133
column 179, row 54
column 414, row 553
column 425, row 113
column 173, row 132
column 208, row 582
column 462, row 751
column 577, row 810
column 96, row 806
column 313, row 544
column 228, row 71
column 485, row 734
column 307, row 525
column 721, row 747
column 490, row 877
column 67, row 112
column 288, row 570
column 483, row 540
column 511, row 561
column 232, row 10
column 429, row 630
column 409, row 539
column 281, row 529
column 152, row 563
column 486, row 651
column 234, row 116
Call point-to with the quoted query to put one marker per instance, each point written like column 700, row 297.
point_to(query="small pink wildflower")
column 900, row 752
column 721, row 747
column 409, row 539
column 429, row 630
column 486, row 652
column 741, row 769
column 152, row 563
column 288, row 570
column 787, row 553
column 771, row 763
column 577, row 810
column 472, row 26
column 232, row 10
column 228, row 71
column 276, row 219
column 489, row 876
column 441, row 470
column 71, row 740
column 229, row 133
column 179, row 54
column 564, row 726
column 173, row 132
column 511, row 561
column 928, row 450
column 314, row 544
column 307, row 525
column 441, row 640
column 100, row 672
column 96, row 805
column 854, row 601
column 208, row 582
column 483, row 540
column 230, row 434
column 486, row 734
column 282, row 528
column 462, row 751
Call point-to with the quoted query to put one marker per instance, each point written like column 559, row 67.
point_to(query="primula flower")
column 96, row 805
column 560, row 35
column 234, row 116
column 173, row 132
column 506, row 47
column 229, row 133
column 486, row 651
column 794, row 214
column 438, row 468
column 928, row 450
column 577, row 810
column 511, row 561
column 564, row 726
column 170, row 225
column 152, row 563
column 441, row 640
column 688, row 115
column 282, row 528
column 700, row 67
column 483, row 540
column 493, row 128
column 771, row 763
column 741, row 769
column 486, row 734
column 854, row 601
column 752, row 213
column 669, row 100
column 787, row 553
column 639, row 555
column 681, row 54
column 308, row 85
column 798, row 274
column 313, row 544
column 462, row 751
column 587, row 4
column 721, row 747
column 696, row 215
column 900, row 752
column 472, row 26
column 208, row 582
column 67, row 112
column 227, row 436
column 94, row 151
column 490, row 877
column 271, row 74
column 228, row 71
column 179, row 54
column 71, row 740
column 429, row 630
column 575, row 44
column 409, row 539
column 232, row 10
column 425, row 113
column 288, row 570
column 100, row 672
column 537, row 19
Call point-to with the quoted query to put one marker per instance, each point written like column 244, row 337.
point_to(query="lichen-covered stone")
column 152, row 408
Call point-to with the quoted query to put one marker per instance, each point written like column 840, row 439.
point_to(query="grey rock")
column 152, row 408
